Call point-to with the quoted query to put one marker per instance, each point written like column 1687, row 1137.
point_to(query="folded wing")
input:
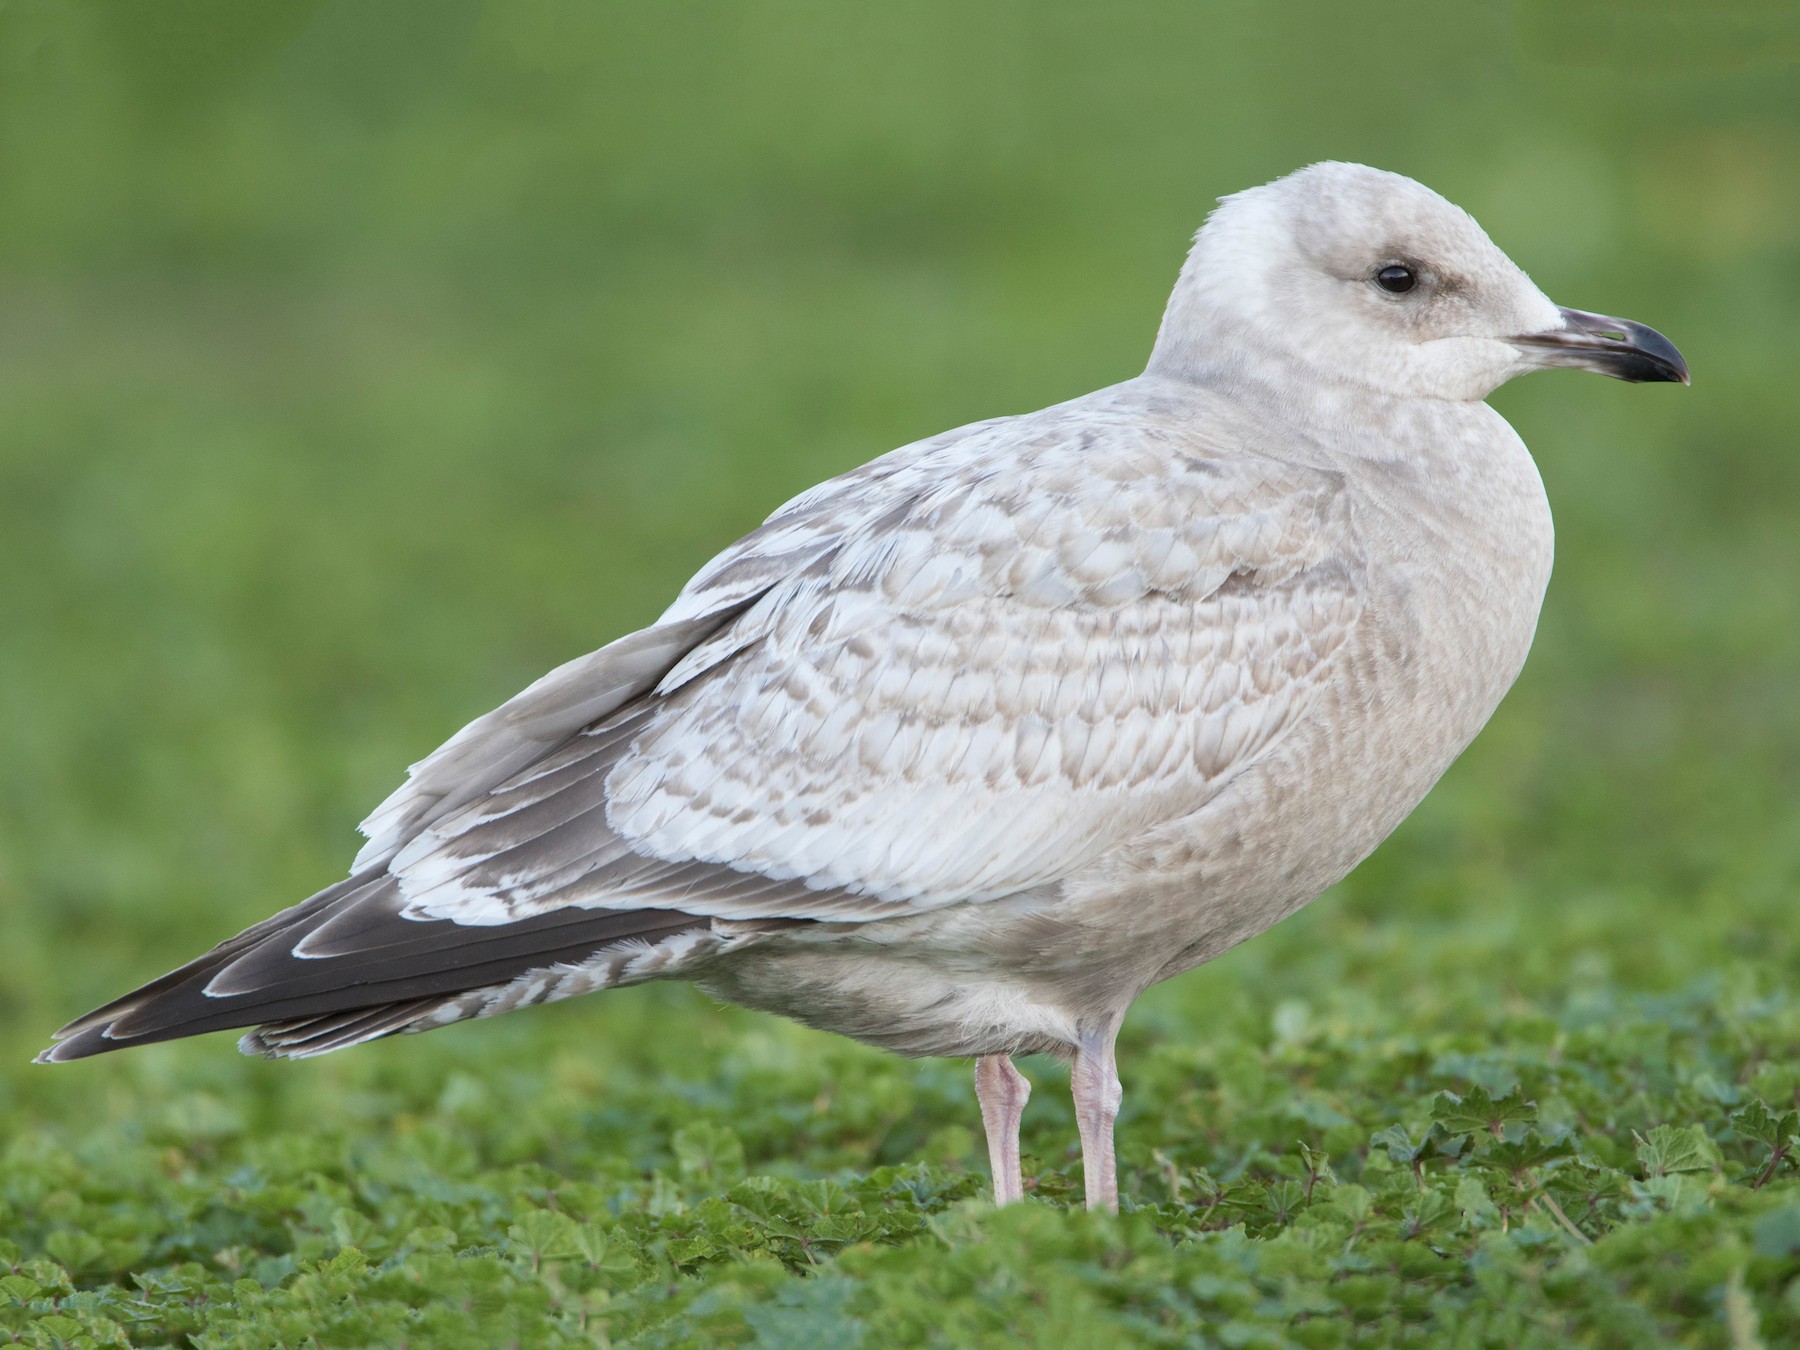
column 1026, row 648
column 967, row 669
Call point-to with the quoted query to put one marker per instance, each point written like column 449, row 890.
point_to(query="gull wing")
column 965, row 670
column 1018, row 649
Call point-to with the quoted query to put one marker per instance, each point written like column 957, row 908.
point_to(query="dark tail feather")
column 397, row 973
column 201, row 968
column 301, row 1038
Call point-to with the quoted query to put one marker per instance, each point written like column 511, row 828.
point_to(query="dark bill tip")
column 1608, row 346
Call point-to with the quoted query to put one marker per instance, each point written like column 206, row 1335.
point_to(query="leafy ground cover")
column 1355, row 1171
column 358, row 362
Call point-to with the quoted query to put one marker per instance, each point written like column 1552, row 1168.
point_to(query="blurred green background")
column 361, row 360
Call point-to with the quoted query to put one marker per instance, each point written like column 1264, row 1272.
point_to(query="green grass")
column 358, row 362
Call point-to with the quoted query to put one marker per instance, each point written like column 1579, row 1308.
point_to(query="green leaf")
column 1316, row 1165
column 76, row 1251
column 1433, row 1209
column 350, row 1261
column 1476, row 1204
column 1353, row 1202
column 1772, row 1129
column 545, row 1236
column 1402, row 1148
column 1532, row 1151
column 1671, row 1149
column 1476, row 1111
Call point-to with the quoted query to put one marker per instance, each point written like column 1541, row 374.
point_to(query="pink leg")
column 1094, row 1083
column 1002, row 1091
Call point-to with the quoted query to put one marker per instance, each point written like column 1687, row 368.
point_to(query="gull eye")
column 1396, row 278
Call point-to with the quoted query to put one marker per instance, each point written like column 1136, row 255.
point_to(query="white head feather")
column 1284, row 276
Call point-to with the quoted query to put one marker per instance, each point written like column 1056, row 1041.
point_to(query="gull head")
column 1342, row 274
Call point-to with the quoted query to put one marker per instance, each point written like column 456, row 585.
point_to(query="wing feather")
column 968, row 669
column 1020, row 649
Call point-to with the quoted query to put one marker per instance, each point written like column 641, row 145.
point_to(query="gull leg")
column 1094, row 1083
column 1002, row 1091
